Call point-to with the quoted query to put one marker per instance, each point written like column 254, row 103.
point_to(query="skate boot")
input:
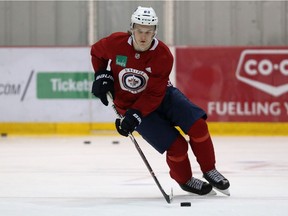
column 197, row 186
column 218, row 181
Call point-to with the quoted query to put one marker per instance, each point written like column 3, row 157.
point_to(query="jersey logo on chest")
column 133, row 80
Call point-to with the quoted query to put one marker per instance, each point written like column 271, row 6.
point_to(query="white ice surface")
column 62, row 176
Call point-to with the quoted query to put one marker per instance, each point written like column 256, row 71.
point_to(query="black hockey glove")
column 103, row 83
column 129, row 122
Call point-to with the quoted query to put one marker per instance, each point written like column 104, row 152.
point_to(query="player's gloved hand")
column 129, row 122
column 103, row 83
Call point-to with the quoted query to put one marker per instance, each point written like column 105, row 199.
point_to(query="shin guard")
column 202, row 145
column 178, row 161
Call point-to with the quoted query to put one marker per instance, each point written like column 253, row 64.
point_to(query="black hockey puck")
column 3, row 134
column 115, row 142
column 87, row 142
column 185, row 204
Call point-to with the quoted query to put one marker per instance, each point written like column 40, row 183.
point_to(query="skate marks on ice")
column 64, row 176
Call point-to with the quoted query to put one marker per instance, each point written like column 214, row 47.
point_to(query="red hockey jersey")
column 140, row 78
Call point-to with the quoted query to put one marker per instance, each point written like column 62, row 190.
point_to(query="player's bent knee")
column 199, row 131
column 178, row 149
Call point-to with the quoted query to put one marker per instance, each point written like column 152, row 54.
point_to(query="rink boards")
column 46, row 90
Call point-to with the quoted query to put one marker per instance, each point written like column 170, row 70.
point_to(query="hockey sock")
column 202, row 145
column 178, row 161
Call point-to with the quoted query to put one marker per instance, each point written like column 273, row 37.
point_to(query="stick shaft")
column 167, row 197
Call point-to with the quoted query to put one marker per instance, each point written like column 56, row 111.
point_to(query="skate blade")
column 211, row 193
column 225, row 192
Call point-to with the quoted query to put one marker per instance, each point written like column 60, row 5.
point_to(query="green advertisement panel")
column 64, row 85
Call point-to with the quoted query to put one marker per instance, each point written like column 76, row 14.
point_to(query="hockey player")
column 139, row 83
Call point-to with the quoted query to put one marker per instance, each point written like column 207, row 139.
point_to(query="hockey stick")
column 167, row 197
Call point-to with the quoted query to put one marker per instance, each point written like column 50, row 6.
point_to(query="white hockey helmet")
column 144, row 16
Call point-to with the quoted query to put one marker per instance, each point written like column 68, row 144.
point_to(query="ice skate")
column 218, row 181
column 197, row 186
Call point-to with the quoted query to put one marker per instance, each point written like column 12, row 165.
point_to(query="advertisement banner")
column 64, row 85
column 49, row 85
column 236, row 84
